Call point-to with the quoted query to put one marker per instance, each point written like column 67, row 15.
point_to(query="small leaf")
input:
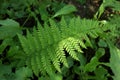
column 65, row 10
column 102, row 43
column 92, row 65
column 100, row 52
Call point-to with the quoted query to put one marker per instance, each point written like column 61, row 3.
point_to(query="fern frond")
column 48, row 46
column 41, row 37
column 29, row 41
column 54, row 58
column 34, row 66
column 61, row 54
column 38, row 63
column 71, row 46
column 24, row 43
column 55, row 31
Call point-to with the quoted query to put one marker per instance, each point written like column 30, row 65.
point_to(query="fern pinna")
column 49, row 45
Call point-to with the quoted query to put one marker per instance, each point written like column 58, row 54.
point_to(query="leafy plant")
column 74, row 48
column 49, row 46
column 8, row 29
column 9, row 48
column 13, row 9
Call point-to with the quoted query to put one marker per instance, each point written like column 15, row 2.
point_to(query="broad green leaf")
column 23, row 73
column 65, row 10
column 9, row 28
column 115, row 61
column 8, row 22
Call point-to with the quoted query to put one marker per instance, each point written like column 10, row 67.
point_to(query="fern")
column 50, row 45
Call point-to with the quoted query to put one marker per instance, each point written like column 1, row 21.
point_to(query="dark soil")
column 86, row 10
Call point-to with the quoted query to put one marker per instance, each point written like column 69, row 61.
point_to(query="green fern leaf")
column 70, row 49
column 34, row 66
column 61, row 54
column 54, row 58
column 24, row 43
column 48, row 46
column 46, row 62
column 55, row 31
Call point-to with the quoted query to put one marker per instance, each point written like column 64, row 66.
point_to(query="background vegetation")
column 59, row 39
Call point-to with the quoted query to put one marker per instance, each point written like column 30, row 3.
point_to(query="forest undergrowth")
column 59, row 40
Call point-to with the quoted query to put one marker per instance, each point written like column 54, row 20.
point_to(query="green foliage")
column 73, row 48
column 23, row 73
column 13, row 8
column 65, row 10
column 94, row 62
column 5, row 71
column 114, row 4
column 49, row 44
column 9, row 28
column 114, row 60
column 100, row 73
column 115, row 20
column 8, row 32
